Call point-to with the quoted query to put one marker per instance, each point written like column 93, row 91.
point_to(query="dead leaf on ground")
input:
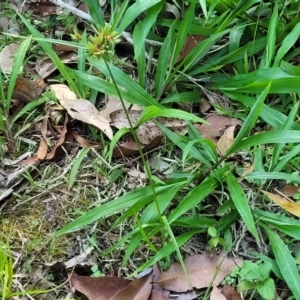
column 192, row 40
column 113, row 104
column 218, row 125
column 7, row 56
column 157, row 295
column 148, row 131
column 201, row 269
column 284, row 203
column 102, row 288
column 27, row 90
column 290, row 190
column 84, row 142
column 216, row 294
column 226, row 140
column 138, row 289
column 81, row 109
column 230, row 293
column 44, row 65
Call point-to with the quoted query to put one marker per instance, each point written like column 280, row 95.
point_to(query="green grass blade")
column 251, row 119
column 286, row 158
column 113, row 207
column 167, row 250
column 17, row 68
column 183, row 32
column 78, row 160
column 139, row 55
column 276, row 136
column 95, row 11
column 149, row 216
column 278, row 147
column 274, row 175
column 46, row 46
column 134, row 11
column 163, row 62
column 241, row 204
column 287, row 44
column 285, row 261
column 123, row 80
column 271, row 38
column 146, row 25
column 194, row 197
column 118, row 14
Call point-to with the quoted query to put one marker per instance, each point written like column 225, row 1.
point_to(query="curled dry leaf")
column 201, row 269
column 148, row 131
column 192, row 40
column 81, row 109
column 284, row 203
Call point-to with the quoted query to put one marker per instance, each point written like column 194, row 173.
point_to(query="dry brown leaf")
column 226, row 140
column 148, row 131
column 218, row 124
column 230, row 293
column 43, row 149
column 288, row 205
column 192, row 40
column 7, row 55
column 216, row 294
column 81, row 109
column 290, row 190
column 84, row 142
column 201, row 269
column 157, row 295
column 138, row 289
column 44, row 65
column 102, row 288
column 27, row 90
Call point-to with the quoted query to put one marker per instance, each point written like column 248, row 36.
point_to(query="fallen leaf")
column 81, row 109
column 138, row 289
column 216, row 294
column 284, row 203
column 218, row 124
column 27, row 90
column 290, row 190
column 226, row 140
column 192, row 40
column 201, row 269
column 84, row 142
column 230, row 293
column 148, row 131
column 102, row 288
column 7, row 56
column 157, row 295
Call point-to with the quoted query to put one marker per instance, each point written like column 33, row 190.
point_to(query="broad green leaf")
column 251, row 119
column 285, row 261
column 266, row 289
column 241, row 204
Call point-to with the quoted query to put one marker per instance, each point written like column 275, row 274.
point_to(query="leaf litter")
column 203, row 271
